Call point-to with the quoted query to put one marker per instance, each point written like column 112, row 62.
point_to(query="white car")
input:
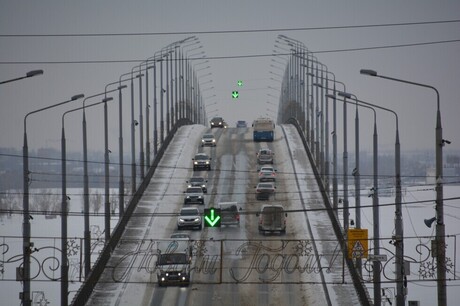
column 208, row 140
column 267, row 174
column 189, row 217
column 265, row 156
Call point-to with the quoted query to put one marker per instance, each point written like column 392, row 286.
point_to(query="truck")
column 264, row 129
column 174, row 258
column 230, row 213
column 272, row 218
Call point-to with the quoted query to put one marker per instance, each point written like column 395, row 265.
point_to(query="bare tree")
column 47, row 202
column 114, row 200
column 9, row 201
column 95, row 201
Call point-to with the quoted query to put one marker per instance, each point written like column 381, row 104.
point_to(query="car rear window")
column 189, row 212
column 194, row 190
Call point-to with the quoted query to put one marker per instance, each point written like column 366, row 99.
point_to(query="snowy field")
column 46, row 233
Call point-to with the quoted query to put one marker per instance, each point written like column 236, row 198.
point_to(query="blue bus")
column 264, row 129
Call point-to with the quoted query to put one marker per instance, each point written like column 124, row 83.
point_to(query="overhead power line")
column 236, row 56
column 237, row 31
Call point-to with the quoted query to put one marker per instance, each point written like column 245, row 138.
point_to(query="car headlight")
column 207, row 162
column 188, row 197
column 196, row 163
column 202, row 140
column 197, row 219
column 181, row 220
column 202, row 186
column 213, row 140
column 199, row 197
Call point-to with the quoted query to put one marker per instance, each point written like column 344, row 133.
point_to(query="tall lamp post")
column 334, row 138
column 64, row 212
column 26, row 297
column 356, row 172
column 345, row 169
column 375, row 199
column 335, row 197
column 87, row 233
column 440, row 226
column 121, row 180
column 27, row 245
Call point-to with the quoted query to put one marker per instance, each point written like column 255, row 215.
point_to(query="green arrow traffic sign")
column 235, row 94
column 239, row 83
column 212, row 217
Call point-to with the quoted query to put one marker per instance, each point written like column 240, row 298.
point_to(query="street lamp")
column 345, row 168
column 28, row 75
column 64, row 211
column 335, row 197
column 356, row 172
column 440, row 226
column 26, row 231
column 375, row 200
column 121, row 182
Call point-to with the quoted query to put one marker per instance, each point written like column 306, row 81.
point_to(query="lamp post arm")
column 73, row 98
column 413, row 83
column 28, row 75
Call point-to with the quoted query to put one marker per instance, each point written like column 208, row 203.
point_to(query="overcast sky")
column 436, row 64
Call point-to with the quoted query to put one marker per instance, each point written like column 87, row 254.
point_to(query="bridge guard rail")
column 359, row 286
column 86, row 289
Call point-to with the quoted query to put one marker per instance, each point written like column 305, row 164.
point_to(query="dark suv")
column 217, row 122
column 198, row 181
column 201, row 162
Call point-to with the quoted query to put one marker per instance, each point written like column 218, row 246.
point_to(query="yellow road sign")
column 357, row 243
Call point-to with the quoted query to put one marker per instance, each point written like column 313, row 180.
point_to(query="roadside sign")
column 380, row 257
column 357, row 243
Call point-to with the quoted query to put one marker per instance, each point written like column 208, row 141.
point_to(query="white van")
column 229, row 213
column 272, row 218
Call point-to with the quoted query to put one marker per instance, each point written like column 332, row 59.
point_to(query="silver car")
column 267, row 174
column 189, row 217
column 265, row 190
column 194, row 195
column 208, row 140
column 265, row 156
